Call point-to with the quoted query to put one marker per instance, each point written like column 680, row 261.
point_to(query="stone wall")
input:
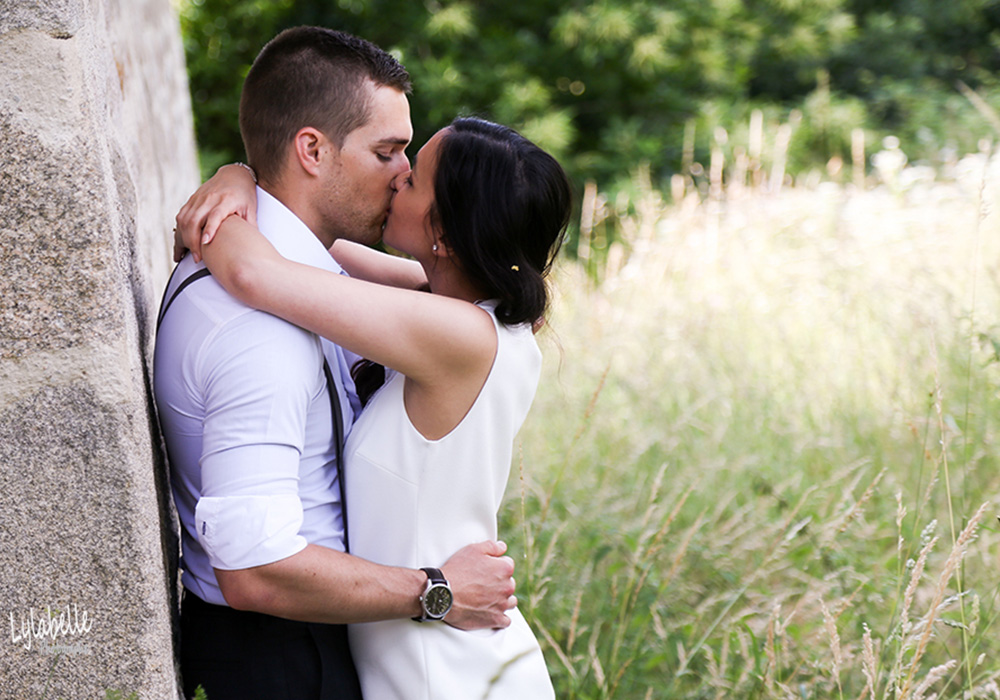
column 96, row 155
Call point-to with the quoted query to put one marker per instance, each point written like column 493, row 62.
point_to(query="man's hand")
column 230, row 191
column 482, row 585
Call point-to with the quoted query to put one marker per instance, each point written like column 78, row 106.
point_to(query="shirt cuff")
column 239, row 532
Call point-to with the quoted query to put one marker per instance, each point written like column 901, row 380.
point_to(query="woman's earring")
column 434, row 247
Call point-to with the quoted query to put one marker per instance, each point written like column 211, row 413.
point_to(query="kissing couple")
column 339, row 421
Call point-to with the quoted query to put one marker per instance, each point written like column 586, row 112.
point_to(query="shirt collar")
column 289, row 234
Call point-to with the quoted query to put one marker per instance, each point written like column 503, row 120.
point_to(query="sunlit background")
column 763, row 460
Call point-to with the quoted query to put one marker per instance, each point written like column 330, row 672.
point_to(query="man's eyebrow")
column 394, row 141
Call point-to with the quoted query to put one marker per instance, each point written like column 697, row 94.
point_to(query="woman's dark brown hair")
column 502, row 205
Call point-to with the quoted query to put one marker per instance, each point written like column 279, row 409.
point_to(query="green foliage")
column 609, row 84
column 119, row 695
column 827, row 123
column 561, row 75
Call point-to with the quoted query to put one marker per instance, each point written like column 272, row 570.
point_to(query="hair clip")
column 515, row 268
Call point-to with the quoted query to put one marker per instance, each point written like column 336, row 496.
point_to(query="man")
column 248, row 412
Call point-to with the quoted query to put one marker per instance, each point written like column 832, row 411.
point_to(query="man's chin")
column 373, row 236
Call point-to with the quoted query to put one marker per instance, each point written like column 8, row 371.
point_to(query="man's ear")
column 310, row 147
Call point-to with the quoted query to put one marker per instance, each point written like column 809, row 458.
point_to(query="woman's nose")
column 399, row 178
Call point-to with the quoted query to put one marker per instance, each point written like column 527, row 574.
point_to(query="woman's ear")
column 440, row 248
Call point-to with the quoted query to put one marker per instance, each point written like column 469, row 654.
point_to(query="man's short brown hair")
column 310, row 76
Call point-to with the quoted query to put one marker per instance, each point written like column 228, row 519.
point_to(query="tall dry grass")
column 763, row 460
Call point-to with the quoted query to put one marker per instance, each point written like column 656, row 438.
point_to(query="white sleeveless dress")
column 414, row 502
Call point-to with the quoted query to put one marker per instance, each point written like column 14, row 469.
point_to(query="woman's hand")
column 230, row 191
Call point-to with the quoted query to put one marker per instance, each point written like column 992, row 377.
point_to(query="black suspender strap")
column 338, row 434
column 203, row 272
column 331, row 387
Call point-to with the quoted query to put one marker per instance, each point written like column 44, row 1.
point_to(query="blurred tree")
column 906, row 59
column 609, row 84
column 599, row 84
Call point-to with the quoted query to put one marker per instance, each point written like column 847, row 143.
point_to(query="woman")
column 482, row 212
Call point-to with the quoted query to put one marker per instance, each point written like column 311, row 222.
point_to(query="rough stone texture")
column 96, row 155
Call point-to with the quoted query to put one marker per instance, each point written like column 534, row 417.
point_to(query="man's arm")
column 323, row 585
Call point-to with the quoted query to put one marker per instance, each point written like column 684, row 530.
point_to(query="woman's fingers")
column 230, row 191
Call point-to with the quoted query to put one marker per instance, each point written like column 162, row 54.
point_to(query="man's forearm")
column 320, row 584
column 323, row 585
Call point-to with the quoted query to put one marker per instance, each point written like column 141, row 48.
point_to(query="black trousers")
column 239, row 655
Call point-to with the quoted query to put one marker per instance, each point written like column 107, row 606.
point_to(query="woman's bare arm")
column 434, row 340
column 364, row 263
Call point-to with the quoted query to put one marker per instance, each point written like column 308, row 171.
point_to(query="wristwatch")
column 437, row 598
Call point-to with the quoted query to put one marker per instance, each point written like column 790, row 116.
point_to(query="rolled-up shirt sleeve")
column 257, row 399
column 239, row 532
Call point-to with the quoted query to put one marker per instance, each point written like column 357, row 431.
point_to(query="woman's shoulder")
column 517, row 347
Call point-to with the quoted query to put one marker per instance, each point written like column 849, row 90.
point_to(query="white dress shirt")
column 246, row 416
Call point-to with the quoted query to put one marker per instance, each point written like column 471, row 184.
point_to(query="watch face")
column 437, row 601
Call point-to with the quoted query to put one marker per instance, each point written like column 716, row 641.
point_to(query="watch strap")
column 434, row 575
